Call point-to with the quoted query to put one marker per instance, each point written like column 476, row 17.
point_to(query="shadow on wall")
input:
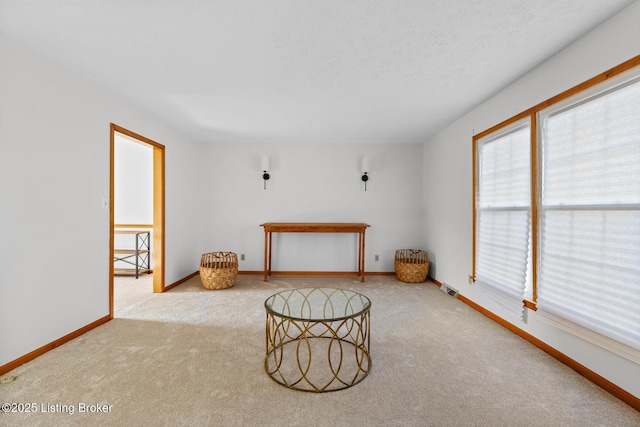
column 432, row 265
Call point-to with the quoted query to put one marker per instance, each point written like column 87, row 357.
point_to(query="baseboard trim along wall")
column 75, row 334
column 319, row 273
column 605, row 384
column 181, row 281
column 47, row 347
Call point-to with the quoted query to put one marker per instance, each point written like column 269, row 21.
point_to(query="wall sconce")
column 265, row 170
column 365, row 170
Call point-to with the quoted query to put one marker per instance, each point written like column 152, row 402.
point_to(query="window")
column 589, row 270
column 574, row 253
column 503, row 215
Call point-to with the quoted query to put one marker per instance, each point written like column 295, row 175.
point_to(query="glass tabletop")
column 317, row 304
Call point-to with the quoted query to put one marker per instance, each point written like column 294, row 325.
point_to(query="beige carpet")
column 193, row 357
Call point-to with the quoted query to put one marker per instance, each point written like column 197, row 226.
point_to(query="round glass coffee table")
column 317, row 338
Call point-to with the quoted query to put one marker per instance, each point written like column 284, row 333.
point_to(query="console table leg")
column 266, row 254
column 361, row 250
column 270, row 252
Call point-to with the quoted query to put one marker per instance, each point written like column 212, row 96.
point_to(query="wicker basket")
column 218, row 270
column 412, row 265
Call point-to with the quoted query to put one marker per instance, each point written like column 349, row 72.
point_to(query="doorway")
column 157, row 227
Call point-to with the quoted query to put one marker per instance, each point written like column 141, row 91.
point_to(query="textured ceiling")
column 302, row 70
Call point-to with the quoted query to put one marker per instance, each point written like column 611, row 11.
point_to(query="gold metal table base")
column 318, row 355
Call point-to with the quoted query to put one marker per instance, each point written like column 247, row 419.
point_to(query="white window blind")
column 503, row 216
column 589, row 269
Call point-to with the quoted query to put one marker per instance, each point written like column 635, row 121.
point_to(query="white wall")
column 54, row 175
column 448, row 178
column 312, row 183
column 133, row 175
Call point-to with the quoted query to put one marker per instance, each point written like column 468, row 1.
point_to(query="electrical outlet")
column 241, row 257
column 377, row 258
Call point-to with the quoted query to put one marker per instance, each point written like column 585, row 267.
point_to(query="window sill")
column 630, row 353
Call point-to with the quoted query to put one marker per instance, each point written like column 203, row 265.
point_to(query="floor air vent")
column 449, row 290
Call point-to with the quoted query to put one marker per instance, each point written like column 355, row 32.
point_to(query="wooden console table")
column 312, row 227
